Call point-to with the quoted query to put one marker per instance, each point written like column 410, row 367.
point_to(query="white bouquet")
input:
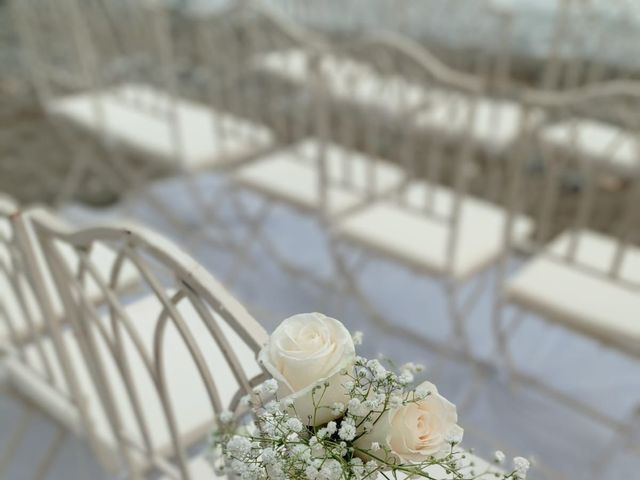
column 329, row 414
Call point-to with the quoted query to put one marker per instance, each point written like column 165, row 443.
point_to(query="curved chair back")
column 425, row 90
column 163, row 365
column 31, row 324
column 579, row 177
column 590, row 144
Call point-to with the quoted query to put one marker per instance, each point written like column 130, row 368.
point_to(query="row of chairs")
column 357, row 173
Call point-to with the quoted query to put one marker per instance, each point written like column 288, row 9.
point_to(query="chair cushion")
column 495, row 127
column 576, row 297
column 597, row 306
column 346, row 79
column 190, row 402
column 604, row 144
column 141, row 117
column 101, row 256
column 292, row 175
column 421, row 240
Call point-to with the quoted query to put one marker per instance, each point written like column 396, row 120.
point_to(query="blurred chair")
column 609, row 145
column 142, row 379
column 584, row 270
column 28, row 331
column 431, row 223
column 23, row 320
column 122, row 86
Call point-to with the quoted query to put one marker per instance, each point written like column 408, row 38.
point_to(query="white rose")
column 417, row 430
column 307, row 350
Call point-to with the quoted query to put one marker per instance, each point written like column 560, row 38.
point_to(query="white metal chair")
column 611, row 146
column 128, row 97
column 427, row 225
column 150, row 374
column 23, row 320
column 578, row 277
column 26, row 331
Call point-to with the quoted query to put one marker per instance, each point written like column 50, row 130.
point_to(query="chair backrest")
column 590, row 42
column 164, row 365
column 578, row 177
column 20, row 315
column 36, row 362
column 419, row 83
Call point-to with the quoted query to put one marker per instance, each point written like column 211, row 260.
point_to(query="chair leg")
column 51, row 454
column 456, row 316
column 16, row 438
column 256, row 224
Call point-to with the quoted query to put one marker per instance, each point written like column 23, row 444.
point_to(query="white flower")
column 270, row 386
column 405, row 377
column 306, row 351
column 454, row 435
column 225, row 417
column 331, row 427
column 421, row 393
column 499, row 456
column 417, row 430
column 521, row 466
column 357, row 338
column 331, row 470
column 347, row 432
column 294, row 425
column 239, row 446
column 375, row 446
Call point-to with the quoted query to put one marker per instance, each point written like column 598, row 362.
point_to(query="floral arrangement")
column 329, row 414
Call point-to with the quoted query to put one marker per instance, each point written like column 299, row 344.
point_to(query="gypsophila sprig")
column 365, row 419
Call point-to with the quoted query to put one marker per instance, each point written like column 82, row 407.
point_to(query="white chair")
column 347, row 79
column 578, row 277
column 175, row 131
column 130, row 101
column 496, row 126
column 145, row 378
column 18, row 304
column 431, row 224
column 608, row 145
column 25, row 331
column 336, row 171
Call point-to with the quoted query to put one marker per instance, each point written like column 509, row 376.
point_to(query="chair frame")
column 505, row 327
column 197, row 287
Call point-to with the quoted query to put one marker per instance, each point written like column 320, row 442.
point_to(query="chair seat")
column 142, row 118
column 200, row 468
column 191, row 404
column 421, row 240
column 495, row 127
column 606, row 145
column 345, row 79
column 576, row 296
column 102, row 258
column 292, row 176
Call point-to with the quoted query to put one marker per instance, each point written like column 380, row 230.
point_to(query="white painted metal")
column 151, row 373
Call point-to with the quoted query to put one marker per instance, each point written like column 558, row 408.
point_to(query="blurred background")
column 458, row 179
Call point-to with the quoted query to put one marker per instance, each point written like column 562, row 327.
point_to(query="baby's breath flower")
column 347, row 431
column 521, row 466
column 225, row 417
column 294, row 425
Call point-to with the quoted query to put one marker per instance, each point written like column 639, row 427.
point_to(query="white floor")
column 516, row 419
